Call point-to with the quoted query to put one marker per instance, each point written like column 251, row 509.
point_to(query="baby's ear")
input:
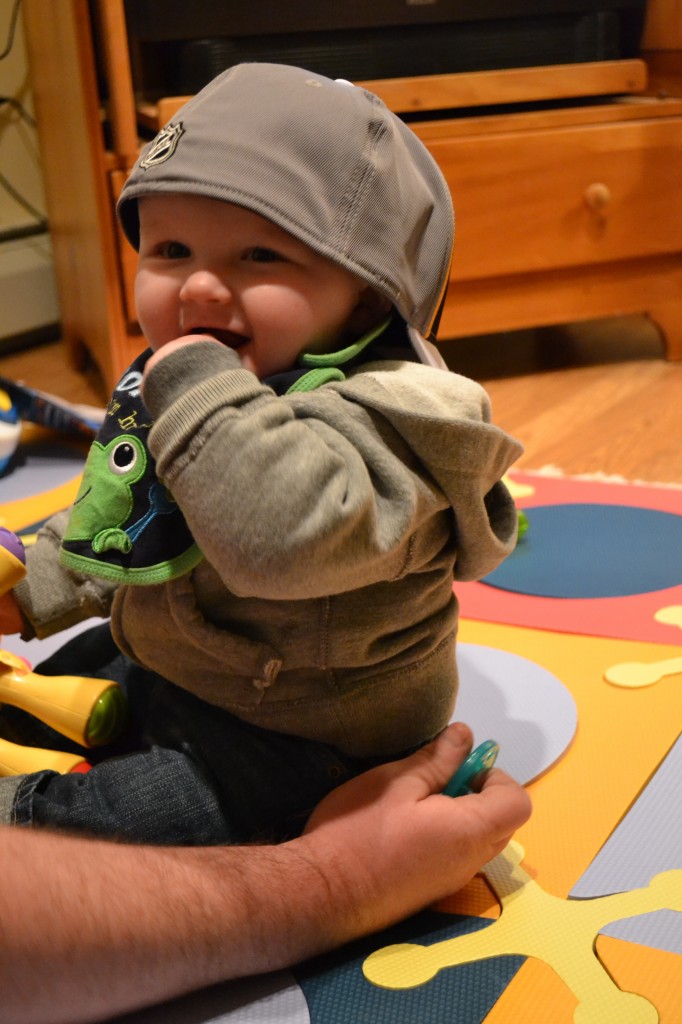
column 372, row 307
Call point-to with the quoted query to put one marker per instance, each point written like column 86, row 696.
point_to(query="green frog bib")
column 124, row 524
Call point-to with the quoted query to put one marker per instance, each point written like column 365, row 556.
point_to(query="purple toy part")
column 10, row 542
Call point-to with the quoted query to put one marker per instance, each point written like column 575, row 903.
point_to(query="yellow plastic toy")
column 88, row 711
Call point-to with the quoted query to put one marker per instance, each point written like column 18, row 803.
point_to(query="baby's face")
column 209, row 267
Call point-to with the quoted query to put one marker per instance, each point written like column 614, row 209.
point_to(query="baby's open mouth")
column 229, row 338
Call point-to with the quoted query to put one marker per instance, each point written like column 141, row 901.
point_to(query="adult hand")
column 397, row 844
column 79, row 947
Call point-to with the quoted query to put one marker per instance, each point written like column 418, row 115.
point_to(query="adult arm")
column 89, row 929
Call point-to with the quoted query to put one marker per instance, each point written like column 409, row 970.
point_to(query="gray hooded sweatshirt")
column 332, row 526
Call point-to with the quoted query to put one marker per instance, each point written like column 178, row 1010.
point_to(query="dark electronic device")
column 177, row 46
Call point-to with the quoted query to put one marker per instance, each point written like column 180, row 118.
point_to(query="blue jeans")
column 185, row 771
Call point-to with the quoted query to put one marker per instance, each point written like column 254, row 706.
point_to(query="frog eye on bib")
column 123, row 458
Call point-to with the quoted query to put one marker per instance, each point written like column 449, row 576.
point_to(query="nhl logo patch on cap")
column 163, row 146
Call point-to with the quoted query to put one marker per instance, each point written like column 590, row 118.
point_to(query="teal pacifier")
column 480, row 760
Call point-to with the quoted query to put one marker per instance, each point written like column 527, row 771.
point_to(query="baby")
column 287, row 482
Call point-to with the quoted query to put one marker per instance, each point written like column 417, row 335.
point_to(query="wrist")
column 285, row 906
column 177, row 367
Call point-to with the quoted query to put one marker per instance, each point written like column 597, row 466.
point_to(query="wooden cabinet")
column 566, row 221
column 562, row 214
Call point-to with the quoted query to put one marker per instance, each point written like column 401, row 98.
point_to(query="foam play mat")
column 571, row 658
column 598, row 557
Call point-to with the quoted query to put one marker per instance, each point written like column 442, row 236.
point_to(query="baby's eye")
column 261, row 254
column 172, row 250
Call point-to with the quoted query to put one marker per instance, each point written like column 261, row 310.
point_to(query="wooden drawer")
column 540, row 200
column 563, row 197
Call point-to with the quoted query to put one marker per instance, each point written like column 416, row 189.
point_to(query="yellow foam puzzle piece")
column 642, row 673
column 21, row 513
column 518, row 490
column 533, row 923
column 671, row 615
column 634, row 674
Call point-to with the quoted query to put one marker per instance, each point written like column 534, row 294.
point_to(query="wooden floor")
column 596, row 398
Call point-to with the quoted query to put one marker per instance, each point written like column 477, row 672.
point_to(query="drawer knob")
column 598, row 196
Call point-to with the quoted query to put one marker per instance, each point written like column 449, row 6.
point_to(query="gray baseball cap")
column 325, row 160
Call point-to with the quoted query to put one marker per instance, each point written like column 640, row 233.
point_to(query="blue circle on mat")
column 587, row 551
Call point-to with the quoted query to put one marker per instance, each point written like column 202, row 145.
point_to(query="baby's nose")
column 205, row 286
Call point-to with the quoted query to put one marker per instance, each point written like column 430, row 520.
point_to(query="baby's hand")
column 172, row 346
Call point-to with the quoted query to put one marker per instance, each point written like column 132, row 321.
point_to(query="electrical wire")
column 41, row 219
column 12, row 29
column 17, row 196
column 20, row 108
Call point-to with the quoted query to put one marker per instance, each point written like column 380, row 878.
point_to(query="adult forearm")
column 92, row 929
column 89, row 929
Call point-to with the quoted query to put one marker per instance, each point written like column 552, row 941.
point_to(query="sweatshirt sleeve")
column 51, row 597
column 308, row 494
